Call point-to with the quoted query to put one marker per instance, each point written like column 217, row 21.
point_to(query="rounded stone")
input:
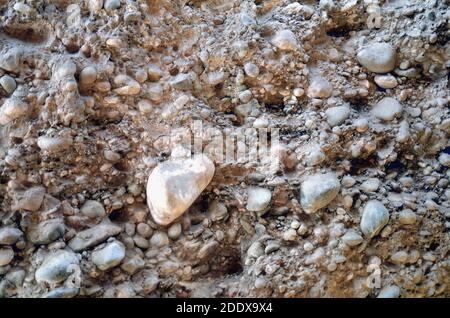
column 320, row 88
column 318, row 191
column 375, row 217
column 337, row 115
column 258, row 199
column 57, row 267
column 109, row 256
column 387, row 109
column 377, row 57
column 6, row 256
column 175, row 184
column 159, row 239
column 93, row 209
column 386, row 81
column 8, row 83
column 174, row 231
column 285, row 40
column 391, row 291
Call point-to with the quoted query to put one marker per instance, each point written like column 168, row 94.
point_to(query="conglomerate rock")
column 342, row 108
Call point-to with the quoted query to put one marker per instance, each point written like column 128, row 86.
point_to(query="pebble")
column 285, row 40
column 377, row 57
column 318, row 191
column 386, row 81
column 375, row 217
column 255, row 250
column 8, row 83
column 407, row 217
column 109, row 256
column 271, row 247
column 251, row 69
column 93, row 209
column 337, row 115
column 111, row 5
column 290, row 235
column 370, row 185
column 387, row 109
column 352, row 238
column 94, row 236
column 361, row 124
column 6, row 256
column 174, row 231
column 444, row 159
column 258, row 199
column 88, row 75
column 245, row 96
column 182, row 81
column 57, row 267
column 47, row 231
column 31, row 199
column 320, row 88
column 10, row 61
column 154, row 72
column 62, row 292
column 10, row 235
column 403, row 132
column 127, row 85
column 175, row 184
column 13, row 108
column 54, row 144
column 133, row 264
column 390, row 291
column 159, row 239
column 399, row 258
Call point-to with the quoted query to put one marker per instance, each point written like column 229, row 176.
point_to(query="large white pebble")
column 318, row 191
column 174, row 185
column 377, row 57
column 387, row 109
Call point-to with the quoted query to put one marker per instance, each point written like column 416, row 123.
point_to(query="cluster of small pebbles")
column 95, row 202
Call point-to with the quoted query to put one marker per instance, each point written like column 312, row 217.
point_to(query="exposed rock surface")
column 104, row 190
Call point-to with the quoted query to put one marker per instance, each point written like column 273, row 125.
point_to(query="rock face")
column 109, row 256
column 175, row 184
column 318, row 191
column 377, row 57
column 57, row 267
column 375, row 217
column 93, row 236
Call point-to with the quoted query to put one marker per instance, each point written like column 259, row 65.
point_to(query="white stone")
column 174, row 185
column 255, row 250
column 251, row 69
column 285, row 40
column 444, row 159
column 320, row 88
column 387, row 109
column 386, row 81
column 174, row 231
column 337, row 115
column 54, row 144
column 126, row 85
column 109, row 256
column 159, row 239
column 93, row 209
column 258, row 199
column 318, row 191
column 377, row 57
column 375, row 217
column 352, row 238
column 57, row 267
column 370, row 185
column 391, row 291
column 13, row 108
